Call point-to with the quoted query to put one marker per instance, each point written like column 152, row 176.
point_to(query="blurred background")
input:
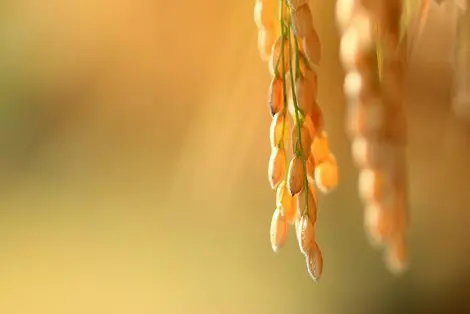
column 133, row 169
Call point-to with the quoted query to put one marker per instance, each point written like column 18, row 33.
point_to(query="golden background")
column 133, row 169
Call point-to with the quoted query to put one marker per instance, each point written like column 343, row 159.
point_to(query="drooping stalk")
column 309, row 143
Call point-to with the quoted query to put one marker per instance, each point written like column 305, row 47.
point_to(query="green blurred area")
column 133, row 160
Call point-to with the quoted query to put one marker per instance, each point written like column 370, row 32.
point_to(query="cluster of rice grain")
column 289, row 42
column 374, row 58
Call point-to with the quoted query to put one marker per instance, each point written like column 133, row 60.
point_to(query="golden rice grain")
column 349, row 49
column 362, row 21
column 306, row 90
column 354, row 53
column 302, row 21
column 314, row 262
column 277, row 130
column 320, row 148
column 278, row 231
column 374, row 184
column 312, row 47
column 366, row 118
column 310, row 164
column 311, row 187
column 375, row 154
column 361, row 85
column 306, row 235
column 276, row 166
column 280, row 52
column 302, row 144
column 276, row 95
column 316, row 115
column 353, row 84
column 396, row 255
column 344, row 13
column 377, row 223
column 264, row 13
column 326, row 175
column 308, row 123
column 266, row 40
column 295, row 176
column 359, row 150
column 286, row 202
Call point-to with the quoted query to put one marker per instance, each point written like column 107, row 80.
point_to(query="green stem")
column 299, row 149
column 297, row 57
column 284, row 87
